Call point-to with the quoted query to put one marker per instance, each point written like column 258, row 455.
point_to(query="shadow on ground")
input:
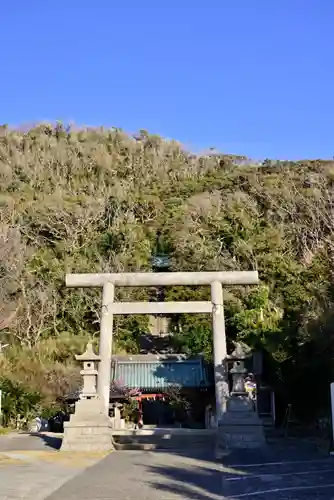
column 201, row 483
column 289, row 471
column 27, row 441
column 53, row 442
column 290, row 468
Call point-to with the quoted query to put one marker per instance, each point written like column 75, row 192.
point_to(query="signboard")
column 161, row 261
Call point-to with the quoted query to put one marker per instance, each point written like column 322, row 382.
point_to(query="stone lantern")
column 89, row 373
column 240, row 426
column 89, row 429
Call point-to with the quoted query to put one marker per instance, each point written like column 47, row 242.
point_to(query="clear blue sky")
column 251, row 77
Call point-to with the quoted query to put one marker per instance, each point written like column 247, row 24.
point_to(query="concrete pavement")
column 276, row 474
column 30, row 470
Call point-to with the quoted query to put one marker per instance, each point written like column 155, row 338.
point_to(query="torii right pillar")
column 219, row 350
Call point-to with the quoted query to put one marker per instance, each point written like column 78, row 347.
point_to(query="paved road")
column 292, row 475
column 30, row 470
column 282, row 474
column 43, row 442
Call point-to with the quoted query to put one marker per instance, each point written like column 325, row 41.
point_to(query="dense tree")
column 91, row 200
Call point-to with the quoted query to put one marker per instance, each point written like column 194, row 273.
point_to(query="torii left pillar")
column 106, row 341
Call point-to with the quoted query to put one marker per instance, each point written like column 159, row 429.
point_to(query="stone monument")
column 89, row 428
column 240, row 426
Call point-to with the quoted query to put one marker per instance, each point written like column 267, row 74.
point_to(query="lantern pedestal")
column 89, row 429
column 240, row 426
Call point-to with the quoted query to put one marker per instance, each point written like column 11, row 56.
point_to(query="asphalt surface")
column 30, row 442
column 31, row 469
column 280, row 473
column 281, row 480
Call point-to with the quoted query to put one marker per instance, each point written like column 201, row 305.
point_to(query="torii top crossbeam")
column 163, row 279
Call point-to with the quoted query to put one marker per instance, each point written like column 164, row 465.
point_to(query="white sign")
column 332, row 410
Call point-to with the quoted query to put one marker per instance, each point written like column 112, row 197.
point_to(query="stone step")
column 146, row 441
column 165, row 443
column 267, row 421
column 136, row 446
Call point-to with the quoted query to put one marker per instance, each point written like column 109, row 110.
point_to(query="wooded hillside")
column 98, row 200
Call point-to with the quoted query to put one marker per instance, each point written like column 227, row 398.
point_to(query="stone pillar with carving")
column 89, row 428
column 240, row 426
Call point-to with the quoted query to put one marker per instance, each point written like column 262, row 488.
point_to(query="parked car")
column 56, row 423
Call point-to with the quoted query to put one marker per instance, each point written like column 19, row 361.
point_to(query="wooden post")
column 106, row 337
column 219, row 349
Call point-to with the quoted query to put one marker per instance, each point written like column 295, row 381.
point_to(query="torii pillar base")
column 89, row 429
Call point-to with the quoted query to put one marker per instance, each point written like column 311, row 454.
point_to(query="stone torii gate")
column 216, row 307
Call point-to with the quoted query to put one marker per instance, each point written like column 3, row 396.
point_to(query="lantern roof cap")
column 88, row 355
column 241, row 351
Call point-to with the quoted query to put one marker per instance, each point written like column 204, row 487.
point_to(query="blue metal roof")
column 158, row 374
